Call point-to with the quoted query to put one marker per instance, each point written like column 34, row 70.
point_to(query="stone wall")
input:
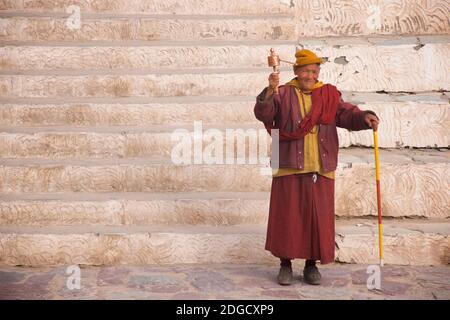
column 89, row 105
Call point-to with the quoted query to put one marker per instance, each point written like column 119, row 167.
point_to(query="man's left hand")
column 372, row 121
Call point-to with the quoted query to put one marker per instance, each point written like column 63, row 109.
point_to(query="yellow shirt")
column 312, row 161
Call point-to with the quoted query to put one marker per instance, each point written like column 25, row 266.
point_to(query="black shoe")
column 285, row 276
column 311, row 275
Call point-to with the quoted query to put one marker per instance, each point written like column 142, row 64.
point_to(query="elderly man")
column 306, row 112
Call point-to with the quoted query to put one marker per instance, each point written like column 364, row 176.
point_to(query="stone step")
column 315, row 19
column 40, row 29
column 405, row 243
column 350, row 67
column 236, row 83
column 204, row 208
column 353, row 60
column 361, row 67
column 89, row 88
column 143, row 57
column 221, row 110
column 399, row 129
column 67, row 112
column 372, row 17
column 412, row 182
column 171, row 7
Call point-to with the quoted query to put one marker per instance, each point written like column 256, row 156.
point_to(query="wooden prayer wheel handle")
column 273, row 61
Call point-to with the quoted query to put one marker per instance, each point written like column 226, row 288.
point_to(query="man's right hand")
column 274, row 82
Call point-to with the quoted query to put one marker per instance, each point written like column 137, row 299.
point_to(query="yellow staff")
column 377, row 173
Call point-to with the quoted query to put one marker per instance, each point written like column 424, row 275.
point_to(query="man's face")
column 307, row 76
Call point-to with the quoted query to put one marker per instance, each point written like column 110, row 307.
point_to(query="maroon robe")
column 301, row 217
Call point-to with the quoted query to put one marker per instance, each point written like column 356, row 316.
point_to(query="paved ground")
column 340, row 281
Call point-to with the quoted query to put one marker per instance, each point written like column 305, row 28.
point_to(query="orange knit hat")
column 304, row 57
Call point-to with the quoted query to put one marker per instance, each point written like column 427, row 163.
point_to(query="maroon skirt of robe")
column 301, row 218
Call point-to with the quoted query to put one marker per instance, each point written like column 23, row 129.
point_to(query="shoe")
column 285, row 276
column 311, row 275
